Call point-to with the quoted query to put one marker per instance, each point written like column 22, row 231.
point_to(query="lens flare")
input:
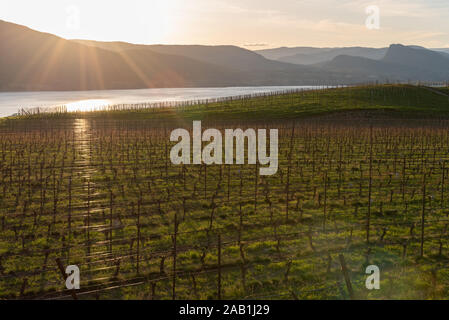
column 87, row 105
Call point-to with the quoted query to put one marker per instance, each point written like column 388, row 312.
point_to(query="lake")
column 11, row 102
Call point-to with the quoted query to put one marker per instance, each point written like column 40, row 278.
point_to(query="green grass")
column 443, row 90
column 393, row 100
column 57, row 175
column 131, row 163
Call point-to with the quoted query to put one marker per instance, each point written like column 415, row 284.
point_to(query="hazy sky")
column 255, row 24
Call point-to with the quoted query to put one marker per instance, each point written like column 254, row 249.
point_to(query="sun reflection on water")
column 87, row 105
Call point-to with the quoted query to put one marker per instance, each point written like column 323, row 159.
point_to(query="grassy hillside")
column 103, row 194
column 392, row 100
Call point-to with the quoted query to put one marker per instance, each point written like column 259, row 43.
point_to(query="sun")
column 155, row 17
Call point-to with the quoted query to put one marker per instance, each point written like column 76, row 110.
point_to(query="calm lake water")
column 11, row 102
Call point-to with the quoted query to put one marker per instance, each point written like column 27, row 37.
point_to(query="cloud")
column 281, row 22
column 344, row 20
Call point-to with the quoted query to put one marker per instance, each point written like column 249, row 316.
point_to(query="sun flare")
column 87, row 105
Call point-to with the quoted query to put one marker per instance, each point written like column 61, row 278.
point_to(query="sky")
column 254, row 24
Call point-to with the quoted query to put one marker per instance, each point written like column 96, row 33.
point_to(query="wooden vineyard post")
column 55, row 199
column 229, row 181
column 174, row 257
column 345, row 272
column 423, row 213
column 110, row 220
column 368, row 218
column 166, row 153
column 442, row 183
column 325, row 202
column 287, row 187
column 205, row 181
column 88, row 217
column 138, row 235
column 69, row 216
column 23, row 288
column 240, row 222
column 184, row 208
column 339, row 168
column 184, row 176
column 64, row 276
column 219, row 268
column 256, row 184
column 403, row 179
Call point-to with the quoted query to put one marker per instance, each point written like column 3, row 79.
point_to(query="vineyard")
column 363, row 187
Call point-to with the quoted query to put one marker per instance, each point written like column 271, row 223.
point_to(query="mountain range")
column 310, row 55
column 32, row 60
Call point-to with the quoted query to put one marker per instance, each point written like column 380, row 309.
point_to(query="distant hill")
column 277, row 53
column 254, row 68
column 445, row 50
column 309, row 55
column 31, row 60
column 226, row 56
column 400, row 63
column 431, row 61
column 313, row 56
column 372, row 69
